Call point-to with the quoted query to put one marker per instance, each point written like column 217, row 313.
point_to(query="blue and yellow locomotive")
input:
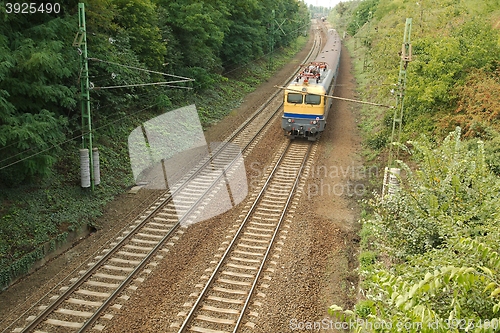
column 306, row 105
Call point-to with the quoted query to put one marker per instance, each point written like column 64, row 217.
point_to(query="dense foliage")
column 453, row 42
column 430, row 256
column 439, row 234
column 39, row 68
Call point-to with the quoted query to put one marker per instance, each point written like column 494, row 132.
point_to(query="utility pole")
column 391, row 175
column 272, row 32
column 271, row 40
column 368, row 43
column 81, row 43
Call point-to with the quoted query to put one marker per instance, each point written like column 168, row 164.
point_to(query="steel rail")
column 89, row 322
column 54, row 305
column 230, row 246
column 268, row 251
column 238, row 232
column 251, row 210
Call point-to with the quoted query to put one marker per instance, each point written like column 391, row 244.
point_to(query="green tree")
column 199, row 27
column 36, row 73
column 291, row 18
column 139, row 21
column 362, row 13
column 246, row 36
column 118, row 38
column 441, row 64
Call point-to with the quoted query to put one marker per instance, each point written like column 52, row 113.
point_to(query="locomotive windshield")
column 313, row 99
column 294, row 98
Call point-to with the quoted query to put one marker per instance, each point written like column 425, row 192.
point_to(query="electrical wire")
column 97, row 107
column 262, row 56
column 166, row 84
column 141, row 69
column 75, row 137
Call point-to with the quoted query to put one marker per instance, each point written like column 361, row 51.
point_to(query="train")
column 305, row 103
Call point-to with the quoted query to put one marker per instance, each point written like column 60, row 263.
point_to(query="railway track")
column 81, row 303
column 78, row 306
column 222, row 303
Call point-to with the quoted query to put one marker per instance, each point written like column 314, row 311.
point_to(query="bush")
column 441, row 229
column 367, row 259
column 451, row 194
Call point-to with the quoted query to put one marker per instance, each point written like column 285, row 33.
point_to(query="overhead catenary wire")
column 223, row 64
column 72, row 138
column 150, row 71
column 182, row 78
column 166, row 84
column 263, row 55
column 33, row 148
column 340, row 98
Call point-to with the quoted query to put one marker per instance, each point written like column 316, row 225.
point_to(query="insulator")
column 394, row 174
column 85, row 167
column 97, row 171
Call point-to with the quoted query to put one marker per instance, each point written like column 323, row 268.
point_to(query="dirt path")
column 316, row 268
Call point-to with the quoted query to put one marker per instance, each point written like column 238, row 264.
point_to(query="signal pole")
column 81, row 43
column 271, row 40
column 391, row 174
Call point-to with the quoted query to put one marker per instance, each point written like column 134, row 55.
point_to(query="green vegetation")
column 224, row 45
column 439, row 238
column 39, row 68
column 429, row 257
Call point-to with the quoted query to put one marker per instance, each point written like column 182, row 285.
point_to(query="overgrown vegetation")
column 455, row 54
column 438, row 237
column 429, row 254
column 41, row 199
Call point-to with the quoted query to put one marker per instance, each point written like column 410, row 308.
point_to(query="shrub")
column 442, row 226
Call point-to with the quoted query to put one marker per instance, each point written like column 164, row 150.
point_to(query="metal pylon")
column 398, row 112
column 81, row 43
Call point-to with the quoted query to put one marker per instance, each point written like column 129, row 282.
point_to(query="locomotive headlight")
column 289, row 120
column 315, row 122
